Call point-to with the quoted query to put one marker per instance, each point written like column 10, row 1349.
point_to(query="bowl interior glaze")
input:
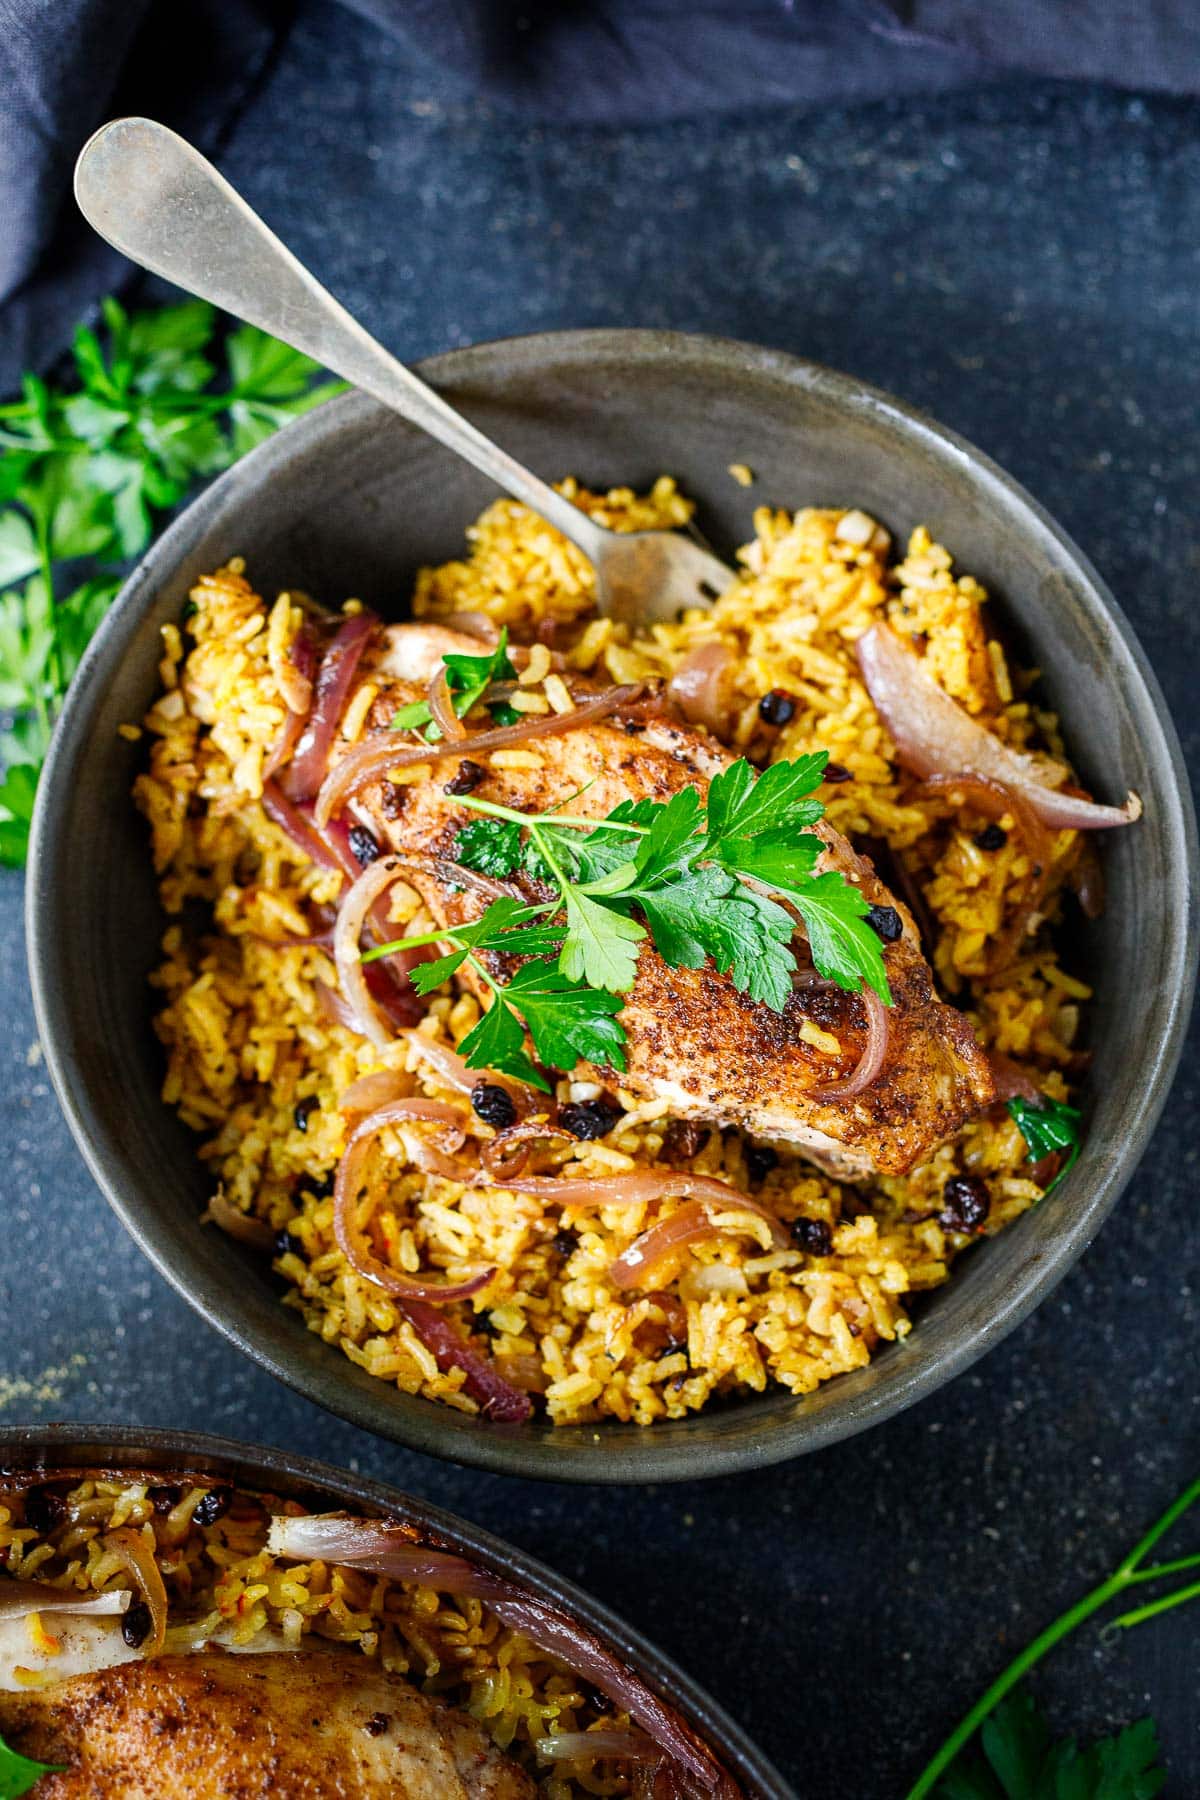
column 324, row 1489
column 351, row 501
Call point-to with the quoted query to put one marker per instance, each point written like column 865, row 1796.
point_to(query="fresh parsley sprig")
column 1048, row 1126
column 1018, row 1761
column 695, row 879
column 944, row 1776
column 86, row 467
column 567, row 1021
column 18, row 1774
column 468, row 679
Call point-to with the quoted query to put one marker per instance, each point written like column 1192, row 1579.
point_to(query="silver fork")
column 154, row 197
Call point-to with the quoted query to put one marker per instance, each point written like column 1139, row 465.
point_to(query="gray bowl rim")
column 423, row 1425
column 55, row 1447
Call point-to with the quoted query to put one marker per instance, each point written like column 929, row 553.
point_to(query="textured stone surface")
column 1023, row 263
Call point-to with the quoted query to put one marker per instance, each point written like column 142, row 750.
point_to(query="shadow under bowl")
column 351, row 500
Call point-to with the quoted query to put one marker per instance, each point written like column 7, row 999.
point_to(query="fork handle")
column 163, row 205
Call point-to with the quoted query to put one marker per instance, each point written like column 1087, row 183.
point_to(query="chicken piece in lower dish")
column 213, row 1726
column 694, row 1039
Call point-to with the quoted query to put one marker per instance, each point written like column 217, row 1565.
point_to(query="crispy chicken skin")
column 694, row 1040
column 213, row 1726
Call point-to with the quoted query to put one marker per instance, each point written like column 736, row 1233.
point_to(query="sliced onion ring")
column 374, row 880
column 508, row 1152
column 295, row 676
column 498, row 1399
column 345, row 1195
column 652, row 1184
column 691, row 1223
column 386, row 1549
column 331, row 690
column 19, row 1598
column 382, row 751
column 139, row 1558
column 441, row 707
column 244, row 1227
column 934, row 735
column 299, row 827
column 453, row 1072
column 579, row 1746
column 874, row 1054
column 371, row 1091
column 700, row 686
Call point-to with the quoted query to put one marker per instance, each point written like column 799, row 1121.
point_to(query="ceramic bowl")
column 55, row 1450
column 350, row 500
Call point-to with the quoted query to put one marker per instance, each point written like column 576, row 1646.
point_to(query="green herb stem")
column 1127, row 1574
column 529, row 820
column 1152, row 1609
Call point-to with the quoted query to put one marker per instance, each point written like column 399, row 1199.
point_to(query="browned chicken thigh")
column 694, row 1040
column 215, row 1726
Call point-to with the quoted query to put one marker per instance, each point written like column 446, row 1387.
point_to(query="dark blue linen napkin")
column 66, row 65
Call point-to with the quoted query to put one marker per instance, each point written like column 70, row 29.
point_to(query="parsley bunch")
column 1018, row 1760
column 85, row 468
column 700, row 879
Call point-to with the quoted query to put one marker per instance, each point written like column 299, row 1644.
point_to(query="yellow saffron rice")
column 221, row 1579
column 247, row 1041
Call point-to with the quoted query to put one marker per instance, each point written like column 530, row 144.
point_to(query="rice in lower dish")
column 257, row 1065
column 196, row 1569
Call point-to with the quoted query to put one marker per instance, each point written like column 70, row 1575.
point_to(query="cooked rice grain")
column 246, row 1039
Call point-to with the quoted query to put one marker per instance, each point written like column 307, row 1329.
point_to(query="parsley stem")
column 1154, row 1607
column 408, row 943
column 530, row 820
column 1157, row 1570
column 1128, row 1572
column 447, row 935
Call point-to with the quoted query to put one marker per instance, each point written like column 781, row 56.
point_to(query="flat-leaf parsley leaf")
column 85, row 467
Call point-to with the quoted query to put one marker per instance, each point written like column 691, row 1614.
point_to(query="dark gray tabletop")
column 1025, row 263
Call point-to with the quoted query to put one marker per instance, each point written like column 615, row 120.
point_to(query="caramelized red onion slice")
column 441, row 707
column 142, row 1563
column 372, row 1091
column 345, row 1194
column 874, row 1053
column 335, row 677
column 935, row 736
column 652, row 1184
column 508, row 1152
column 384, row 1549
column 1010, row 1079
column 370, row 885
column 579, row 1746
column 690, row 1224
column 453, row 1072
column 498, row 1399
column 20, row 1598
column 299, row 827
column 701, row 687
column 475, row 624
column 994, row 798
column 332, row 1007
column 239, row 1225
column 383, row 750
column 296, row 681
